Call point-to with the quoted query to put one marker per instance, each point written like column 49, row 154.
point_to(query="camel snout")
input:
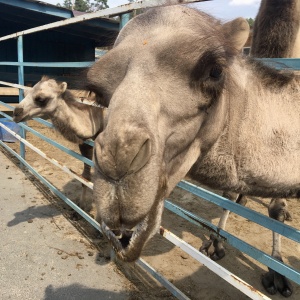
column 18, row 111
column 117, row 158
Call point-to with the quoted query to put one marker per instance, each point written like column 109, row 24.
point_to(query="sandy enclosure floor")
column 194, row 279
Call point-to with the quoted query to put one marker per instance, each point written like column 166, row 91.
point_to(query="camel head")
column 41, row 100
column 164, row 84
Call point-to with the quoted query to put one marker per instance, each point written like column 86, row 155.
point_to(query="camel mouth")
column 18, row 119
column 124, row 241
column 123, row 237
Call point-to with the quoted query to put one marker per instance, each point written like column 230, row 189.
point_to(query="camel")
column 275, row 34
column 189, row 105
column 276, row 29
column 75, row 121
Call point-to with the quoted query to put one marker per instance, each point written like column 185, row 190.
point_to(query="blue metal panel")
column 124, row 19
column 40, row 7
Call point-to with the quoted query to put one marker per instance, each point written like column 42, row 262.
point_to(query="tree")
column 251, row 22
column 85, row 5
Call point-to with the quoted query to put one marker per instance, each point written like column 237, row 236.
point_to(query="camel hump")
column 237, row 32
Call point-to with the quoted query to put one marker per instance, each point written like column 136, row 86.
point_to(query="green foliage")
column 85, row 5
column 251, row 22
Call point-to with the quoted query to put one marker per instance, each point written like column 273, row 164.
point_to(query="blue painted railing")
column 245, row 212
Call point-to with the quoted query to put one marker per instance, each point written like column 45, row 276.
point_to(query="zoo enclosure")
column 258, row 218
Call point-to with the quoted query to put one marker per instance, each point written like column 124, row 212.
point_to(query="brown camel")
column 76, row 122
column 275, row 34
column 188, row 103
column 276, row 29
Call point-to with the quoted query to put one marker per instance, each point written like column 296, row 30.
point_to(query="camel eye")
column 215, row 72
column 41, row 101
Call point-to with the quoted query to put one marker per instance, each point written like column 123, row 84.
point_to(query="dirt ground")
column 194, row 279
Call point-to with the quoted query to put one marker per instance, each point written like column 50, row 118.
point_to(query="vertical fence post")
column 124, row 18
column 21, row 94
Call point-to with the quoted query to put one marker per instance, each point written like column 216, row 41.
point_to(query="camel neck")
column 77, row 121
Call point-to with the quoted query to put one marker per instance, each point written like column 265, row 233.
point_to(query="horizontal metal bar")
column 18, row 86
column 115, row 11
column 44, row 122
column 245, row 212
column 50, row 125
column 235, row 281
column 237, row 243
column 277, row 63
column 78, row 64
column 167, row 284
column 282, row 63
column 6, row 105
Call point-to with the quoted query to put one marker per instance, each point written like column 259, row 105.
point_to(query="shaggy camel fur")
column 276, row 29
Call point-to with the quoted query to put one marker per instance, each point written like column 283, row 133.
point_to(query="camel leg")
column 214, row 247
column 84, row 203
column 273, row 281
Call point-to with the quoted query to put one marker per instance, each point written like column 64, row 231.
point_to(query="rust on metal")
column 247, row 285
column 73, row 172
column 205, row 226
column 161, row 230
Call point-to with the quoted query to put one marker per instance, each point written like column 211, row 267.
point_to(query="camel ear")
column 63, row 86
column 44, row 78
column 236, row 33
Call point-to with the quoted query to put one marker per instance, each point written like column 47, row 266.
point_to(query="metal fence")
column 239, row 244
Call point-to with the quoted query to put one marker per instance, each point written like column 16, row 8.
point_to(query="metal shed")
column 73, row 43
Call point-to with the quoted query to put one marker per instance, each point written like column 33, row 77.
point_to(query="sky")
column 222, row 9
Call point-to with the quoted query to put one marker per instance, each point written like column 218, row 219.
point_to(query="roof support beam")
column 102, row 13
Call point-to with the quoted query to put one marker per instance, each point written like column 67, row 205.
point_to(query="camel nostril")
column 18, row 111
column 141, row 158
column 114, row 160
